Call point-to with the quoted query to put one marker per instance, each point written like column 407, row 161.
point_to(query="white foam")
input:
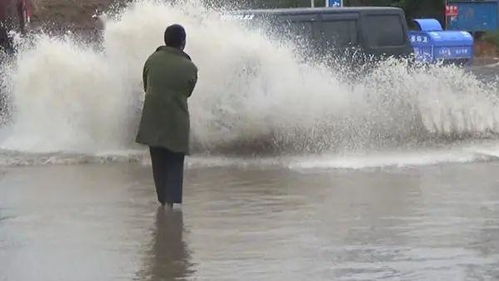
column 374, row 160
column 254, row 94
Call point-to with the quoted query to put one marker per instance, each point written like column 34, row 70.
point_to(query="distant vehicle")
column 376, row 31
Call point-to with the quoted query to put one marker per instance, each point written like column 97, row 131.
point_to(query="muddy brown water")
column 101, row 222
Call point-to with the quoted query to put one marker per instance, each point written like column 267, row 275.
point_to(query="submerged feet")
column 169, row 205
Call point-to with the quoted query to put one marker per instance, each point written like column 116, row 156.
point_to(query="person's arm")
column 192, row 83
column 144, row 75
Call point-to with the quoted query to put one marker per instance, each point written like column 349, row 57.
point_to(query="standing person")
column 169, row 78
column 12, row 11
column 24, row 10
column 5, row 42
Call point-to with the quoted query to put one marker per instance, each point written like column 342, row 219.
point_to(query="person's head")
column 175, row 36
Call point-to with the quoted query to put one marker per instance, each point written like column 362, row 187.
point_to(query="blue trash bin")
column 432, row 44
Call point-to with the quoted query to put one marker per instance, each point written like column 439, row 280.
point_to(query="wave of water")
column 484, row 152
column 255, row 95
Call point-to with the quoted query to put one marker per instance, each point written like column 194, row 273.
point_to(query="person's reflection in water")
column 169, row 257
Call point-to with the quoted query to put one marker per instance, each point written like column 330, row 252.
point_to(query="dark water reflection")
column 168, row 258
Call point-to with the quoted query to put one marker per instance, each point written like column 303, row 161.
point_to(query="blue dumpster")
column 432, row 44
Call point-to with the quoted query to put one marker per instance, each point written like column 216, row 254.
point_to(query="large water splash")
column 255, row 94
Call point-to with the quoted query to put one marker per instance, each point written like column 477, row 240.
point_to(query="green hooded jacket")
column 169, row 78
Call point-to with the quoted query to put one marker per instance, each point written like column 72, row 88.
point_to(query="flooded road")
column 101, row 222
column 77, row 203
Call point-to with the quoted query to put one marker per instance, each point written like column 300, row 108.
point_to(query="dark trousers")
column 168, row 172
column 5, row 41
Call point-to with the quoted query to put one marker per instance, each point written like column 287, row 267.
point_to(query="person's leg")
column 5, row 41
column 159, row 161
column 175, row 177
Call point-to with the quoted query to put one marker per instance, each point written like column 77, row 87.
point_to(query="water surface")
column 101, row 222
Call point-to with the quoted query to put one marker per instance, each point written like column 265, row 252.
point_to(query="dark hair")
column 175, row 36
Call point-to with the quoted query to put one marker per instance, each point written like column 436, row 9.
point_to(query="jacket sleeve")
column 192, row 83
column 144, row 75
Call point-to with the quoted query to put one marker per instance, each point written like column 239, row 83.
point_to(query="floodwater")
column 300, row 171
column 101, row 222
